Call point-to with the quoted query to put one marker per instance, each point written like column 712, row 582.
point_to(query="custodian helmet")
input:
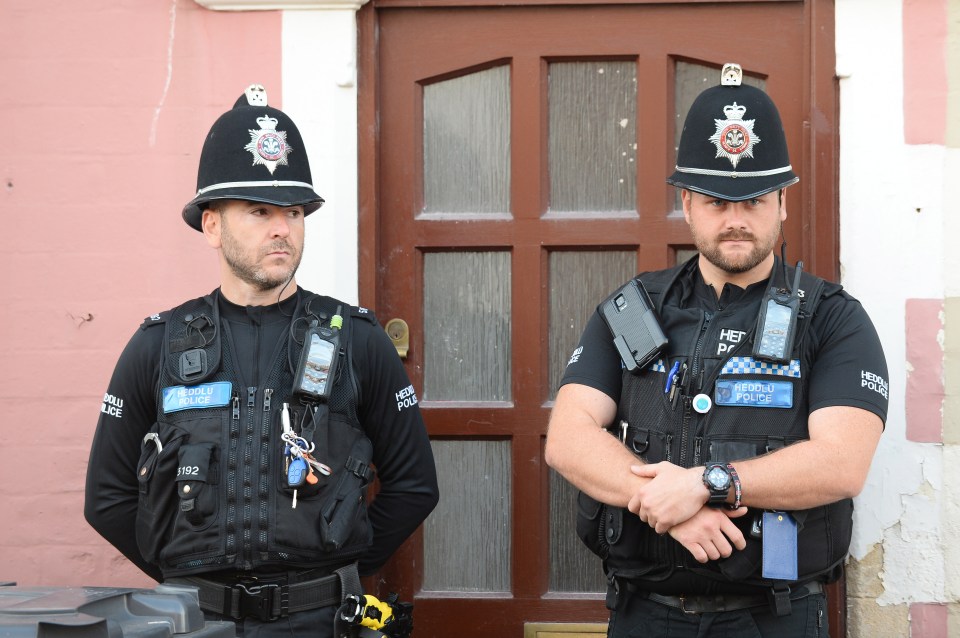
column 732, row 145
column 253, row 152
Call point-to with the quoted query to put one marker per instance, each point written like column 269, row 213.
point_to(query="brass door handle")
column 399, row 334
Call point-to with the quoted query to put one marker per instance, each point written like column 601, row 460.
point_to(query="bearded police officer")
column 745, row 399
column 254, row 419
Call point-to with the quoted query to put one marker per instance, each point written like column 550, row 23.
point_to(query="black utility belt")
column 264, row 598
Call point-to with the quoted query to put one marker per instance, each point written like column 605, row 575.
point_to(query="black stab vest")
column 212, row 472
column 656, row 429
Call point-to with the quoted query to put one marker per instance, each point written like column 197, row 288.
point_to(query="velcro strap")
column 193, row 340
column 359, row 468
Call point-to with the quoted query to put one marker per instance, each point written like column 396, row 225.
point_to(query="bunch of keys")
column 298, row 463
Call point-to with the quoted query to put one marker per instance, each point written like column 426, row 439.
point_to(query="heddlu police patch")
column 754, row 393
column 206, row 395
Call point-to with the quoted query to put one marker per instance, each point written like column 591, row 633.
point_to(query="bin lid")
column 105, row 612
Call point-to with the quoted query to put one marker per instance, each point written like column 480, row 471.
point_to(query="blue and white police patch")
column 206, row 395
column 754, row 393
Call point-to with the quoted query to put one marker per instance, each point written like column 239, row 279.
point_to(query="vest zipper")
column 695, row 380
column 264, row 495
column 231, row 522
column 696, row 374
column 246, row 557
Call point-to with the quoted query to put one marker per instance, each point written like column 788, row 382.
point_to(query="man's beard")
column 740, row 263
column 246, row 266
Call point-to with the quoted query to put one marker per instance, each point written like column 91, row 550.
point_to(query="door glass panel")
column 466, row 144
column 579, row 280
column 573, row 567
column 690, row 80
column 466, row 326
column 684, row 254
column 593, row 137
column 466, row 540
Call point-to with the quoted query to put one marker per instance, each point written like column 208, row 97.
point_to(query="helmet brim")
column 732, row 189
column 276, row 195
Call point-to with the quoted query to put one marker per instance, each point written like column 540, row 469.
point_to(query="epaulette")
column 155, row 320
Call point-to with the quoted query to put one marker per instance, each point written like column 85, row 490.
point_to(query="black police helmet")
column 253, row 152
column 732, row 145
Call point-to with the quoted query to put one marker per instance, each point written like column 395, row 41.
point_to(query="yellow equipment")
column 388, row 619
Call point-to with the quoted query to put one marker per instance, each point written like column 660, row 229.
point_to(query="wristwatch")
column 717, row 478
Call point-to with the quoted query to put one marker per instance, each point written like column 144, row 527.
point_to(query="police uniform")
column 215, row 465
column 706, row 399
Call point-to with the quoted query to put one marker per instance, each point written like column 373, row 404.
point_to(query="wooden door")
column 513, row 161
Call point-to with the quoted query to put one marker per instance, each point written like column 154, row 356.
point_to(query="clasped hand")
column 673, row 501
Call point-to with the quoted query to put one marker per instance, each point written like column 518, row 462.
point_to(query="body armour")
column 657, row 429
column 212, row 473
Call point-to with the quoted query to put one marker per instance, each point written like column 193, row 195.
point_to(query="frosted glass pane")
column 579, row 280
column 466, row 326
column 466, row 540
column 466, row 143
column 690, row 80
column 684, row 254
column 573, row 567
column 593, row 136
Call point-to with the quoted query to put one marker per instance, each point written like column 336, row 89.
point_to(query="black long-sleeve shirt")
column 387, row 410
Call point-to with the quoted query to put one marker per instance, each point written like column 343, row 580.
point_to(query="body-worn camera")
column 318, row 361
column 633, row 323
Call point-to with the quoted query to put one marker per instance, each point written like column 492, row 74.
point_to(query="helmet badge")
column 734, row 137
column 268, row 145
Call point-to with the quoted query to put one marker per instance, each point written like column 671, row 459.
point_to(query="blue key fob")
column 297, row 472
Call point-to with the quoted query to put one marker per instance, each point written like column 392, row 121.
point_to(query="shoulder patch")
column 155, row 320
column 363, row 313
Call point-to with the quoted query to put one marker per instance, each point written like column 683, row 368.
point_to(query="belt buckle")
column 256, row 601
column 683, row 607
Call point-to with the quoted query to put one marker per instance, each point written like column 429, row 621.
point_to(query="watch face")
column 718, row 478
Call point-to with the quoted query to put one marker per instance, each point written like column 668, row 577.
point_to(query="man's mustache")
column 736, row 235
column 279, row 245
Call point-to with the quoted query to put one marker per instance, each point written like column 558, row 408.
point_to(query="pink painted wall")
column 928, row 620
column 104, row 104
column 925, row 391
column 925, row 36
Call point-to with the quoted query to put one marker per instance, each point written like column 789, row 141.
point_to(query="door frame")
column 819, row 167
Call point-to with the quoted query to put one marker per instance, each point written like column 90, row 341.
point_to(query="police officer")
column 722, row 501
column 241, row 430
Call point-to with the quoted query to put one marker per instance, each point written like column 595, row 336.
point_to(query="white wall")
column 897, row 218
column 320, row 87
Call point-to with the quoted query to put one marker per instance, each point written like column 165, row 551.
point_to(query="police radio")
column 777, row 322
column 318, row 360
